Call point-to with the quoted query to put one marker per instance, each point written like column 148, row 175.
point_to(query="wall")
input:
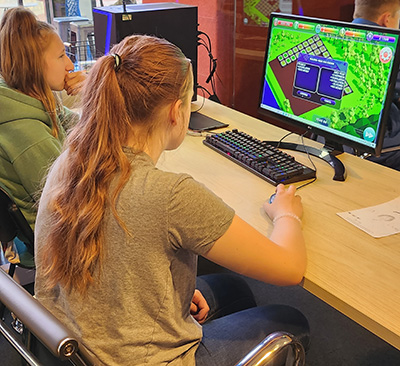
column 329, row 9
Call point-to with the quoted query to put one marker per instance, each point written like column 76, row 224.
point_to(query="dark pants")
column 236, row 325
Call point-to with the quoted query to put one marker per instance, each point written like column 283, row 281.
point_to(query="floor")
column 335, row 339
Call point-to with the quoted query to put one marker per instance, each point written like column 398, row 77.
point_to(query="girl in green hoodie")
column 33, row 64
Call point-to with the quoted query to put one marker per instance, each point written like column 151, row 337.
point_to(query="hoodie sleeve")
column 33, row 163
column 30, row 148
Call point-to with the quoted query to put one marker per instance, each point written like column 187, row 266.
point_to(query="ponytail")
column 128, row 87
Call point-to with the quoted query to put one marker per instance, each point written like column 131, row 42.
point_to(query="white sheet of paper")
column 378, row 221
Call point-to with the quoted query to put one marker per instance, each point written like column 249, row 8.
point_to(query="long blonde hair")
column 144, row 75
column 23, row 38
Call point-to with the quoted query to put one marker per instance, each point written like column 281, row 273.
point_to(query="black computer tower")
column 175, row 22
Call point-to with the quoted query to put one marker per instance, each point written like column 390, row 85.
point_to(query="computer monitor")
column 332, row 78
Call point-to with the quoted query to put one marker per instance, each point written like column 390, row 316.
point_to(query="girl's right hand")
column 73, row 82
column 286, row 201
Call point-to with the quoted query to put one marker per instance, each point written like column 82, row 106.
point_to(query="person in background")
column 33, row 65
column 118, row 239
column 384, row 13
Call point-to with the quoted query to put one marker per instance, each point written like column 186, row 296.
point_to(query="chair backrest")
column 41, row 323
column 12, row 222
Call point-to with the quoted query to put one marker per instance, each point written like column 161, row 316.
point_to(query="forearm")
column 244, row 250
column 287, row 233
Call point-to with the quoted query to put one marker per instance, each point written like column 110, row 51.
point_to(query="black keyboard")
column 266, row 161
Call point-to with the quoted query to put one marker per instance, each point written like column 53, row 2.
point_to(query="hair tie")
column 117, row 61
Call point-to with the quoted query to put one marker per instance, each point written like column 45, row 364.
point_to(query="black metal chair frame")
column 13, row 223
column 41, row 323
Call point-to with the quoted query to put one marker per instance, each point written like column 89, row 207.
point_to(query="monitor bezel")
column 330, row 136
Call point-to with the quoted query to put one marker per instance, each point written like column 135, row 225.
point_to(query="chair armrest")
column 39, row 321
column 267, row 350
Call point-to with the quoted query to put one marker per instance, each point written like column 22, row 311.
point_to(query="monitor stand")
column 326, row 153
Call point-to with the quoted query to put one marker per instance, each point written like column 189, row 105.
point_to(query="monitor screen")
column 333, row 78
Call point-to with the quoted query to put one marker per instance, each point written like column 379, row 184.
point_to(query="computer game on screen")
column 333, row 77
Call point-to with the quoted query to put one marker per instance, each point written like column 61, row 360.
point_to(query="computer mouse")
column 271, row 199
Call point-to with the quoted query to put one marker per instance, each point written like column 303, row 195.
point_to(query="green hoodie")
column 27, row 147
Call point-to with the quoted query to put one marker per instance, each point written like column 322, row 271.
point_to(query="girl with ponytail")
column 117, row 239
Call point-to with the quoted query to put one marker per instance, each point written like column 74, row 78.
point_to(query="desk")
column 351, row 271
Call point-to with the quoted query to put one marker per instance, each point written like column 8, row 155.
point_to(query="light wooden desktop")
column 350, row 270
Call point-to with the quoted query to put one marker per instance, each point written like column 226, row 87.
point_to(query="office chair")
column 65, row 346
column 12, row 224
column 278, row 349
column 35, row 318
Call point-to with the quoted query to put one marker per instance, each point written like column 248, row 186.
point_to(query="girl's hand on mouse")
column 286, row 201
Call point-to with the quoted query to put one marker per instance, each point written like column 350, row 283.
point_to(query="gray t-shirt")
column 137, row 313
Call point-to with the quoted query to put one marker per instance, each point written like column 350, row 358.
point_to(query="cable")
column 204, row 98
column 204, row 90
column 308, row 155
column 279, row 142
column 212, row 66
column 309, row 158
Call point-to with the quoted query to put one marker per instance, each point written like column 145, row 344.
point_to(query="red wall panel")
column 216, row 18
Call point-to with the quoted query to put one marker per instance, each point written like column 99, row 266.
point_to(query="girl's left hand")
column 199, row 308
